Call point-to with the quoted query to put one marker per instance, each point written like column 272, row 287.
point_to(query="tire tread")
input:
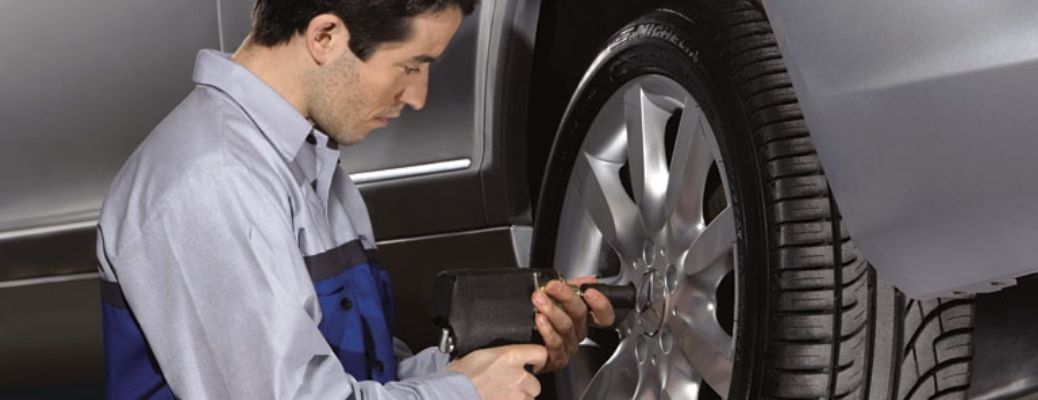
column 820, row 331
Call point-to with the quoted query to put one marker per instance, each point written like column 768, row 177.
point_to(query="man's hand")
column 564, row 326
column 499, row 373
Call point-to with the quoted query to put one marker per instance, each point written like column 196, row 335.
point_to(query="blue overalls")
column 356, row 300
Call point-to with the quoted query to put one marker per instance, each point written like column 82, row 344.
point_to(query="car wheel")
column 683, row 165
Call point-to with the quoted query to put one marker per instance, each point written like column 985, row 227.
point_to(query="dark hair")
column 370, row 22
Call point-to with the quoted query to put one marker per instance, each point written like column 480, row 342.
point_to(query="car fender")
column 922, row 114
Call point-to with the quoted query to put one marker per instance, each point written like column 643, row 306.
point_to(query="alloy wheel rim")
column 655, row 230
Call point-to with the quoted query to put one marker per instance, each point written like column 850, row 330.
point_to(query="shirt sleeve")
column 219, row 288
column 428, row 361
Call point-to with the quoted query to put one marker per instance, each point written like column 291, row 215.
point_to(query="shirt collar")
column 281, row 123
column 318, row 160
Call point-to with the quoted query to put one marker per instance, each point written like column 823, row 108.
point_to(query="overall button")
column 346, row 304
column 379, row 367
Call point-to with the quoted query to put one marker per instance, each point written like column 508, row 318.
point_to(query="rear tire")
column 811, row 319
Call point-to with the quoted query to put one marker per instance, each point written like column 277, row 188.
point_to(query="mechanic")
column 237, row 257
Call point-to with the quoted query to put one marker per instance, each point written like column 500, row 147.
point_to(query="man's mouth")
column 385, row 120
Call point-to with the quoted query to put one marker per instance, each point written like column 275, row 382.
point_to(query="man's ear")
column 326, row 38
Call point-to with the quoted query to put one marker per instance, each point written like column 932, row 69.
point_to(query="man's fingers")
column 557, row 329
column 503, row 372
column 530, row 386
column 552, row 339
column 582, row 280
column 562, row 321
column 602, row 314
column 568, row 300
column 528, row 354
column 555, row 344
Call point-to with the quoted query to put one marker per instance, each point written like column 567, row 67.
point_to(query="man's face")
column 351, row 97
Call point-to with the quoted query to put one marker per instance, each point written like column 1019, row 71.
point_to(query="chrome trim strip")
column 49, row 279
column 410, row 171
column 520, row 236
column 45, row 230
column 496, row 229
column 219, row 24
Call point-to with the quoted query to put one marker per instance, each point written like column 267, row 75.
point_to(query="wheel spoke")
column 618, row 377
column 649, row 382
column 682, row 381
column 707, row 347
column 685, row 390
column 598, row 184
column 606, row 138
column 647, row 156
column 710, row 277
column 689, row 169
column 716, row 241
column 698, row 333
column 579, row 241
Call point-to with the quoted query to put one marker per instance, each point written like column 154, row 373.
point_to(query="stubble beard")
column 336, row 102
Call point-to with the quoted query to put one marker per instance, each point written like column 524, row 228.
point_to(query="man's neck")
column 278, row 67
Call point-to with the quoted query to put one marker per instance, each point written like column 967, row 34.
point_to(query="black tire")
column 815, row 321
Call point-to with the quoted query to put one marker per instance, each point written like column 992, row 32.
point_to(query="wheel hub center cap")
column 651, row 303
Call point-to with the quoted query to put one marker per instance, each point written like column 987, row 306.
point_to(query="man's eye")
column 411, row 70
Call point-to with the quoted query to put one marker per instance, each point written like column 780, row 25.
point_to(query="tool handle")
column 622, row 297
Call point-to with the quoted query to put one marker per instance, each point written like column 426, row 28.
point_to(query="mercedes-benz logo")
column 650, row 304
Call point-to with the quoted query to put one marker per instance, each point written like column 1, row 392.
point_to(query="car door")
column 81, row 84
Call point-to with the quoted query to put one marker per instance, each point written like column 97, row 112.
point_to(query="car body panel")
column 51, row 334
column 83, row 83
column 922, row 114
column 73, row 109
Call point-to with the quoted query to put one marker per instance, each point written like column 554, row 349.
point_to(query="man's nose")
column 414, row 93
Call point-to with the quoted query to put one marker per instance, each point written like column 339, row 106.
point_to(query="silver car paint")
column 923, row 115
column 82, row 83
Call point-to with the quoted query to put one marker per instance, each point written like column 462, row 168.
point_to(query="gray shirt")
column 205, row 229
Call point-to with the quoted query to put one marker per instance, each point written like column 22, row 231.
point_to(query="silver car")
column 719, row 155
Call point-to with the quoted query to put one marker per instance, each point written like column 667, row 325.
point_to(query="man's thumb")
column 529, row 354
